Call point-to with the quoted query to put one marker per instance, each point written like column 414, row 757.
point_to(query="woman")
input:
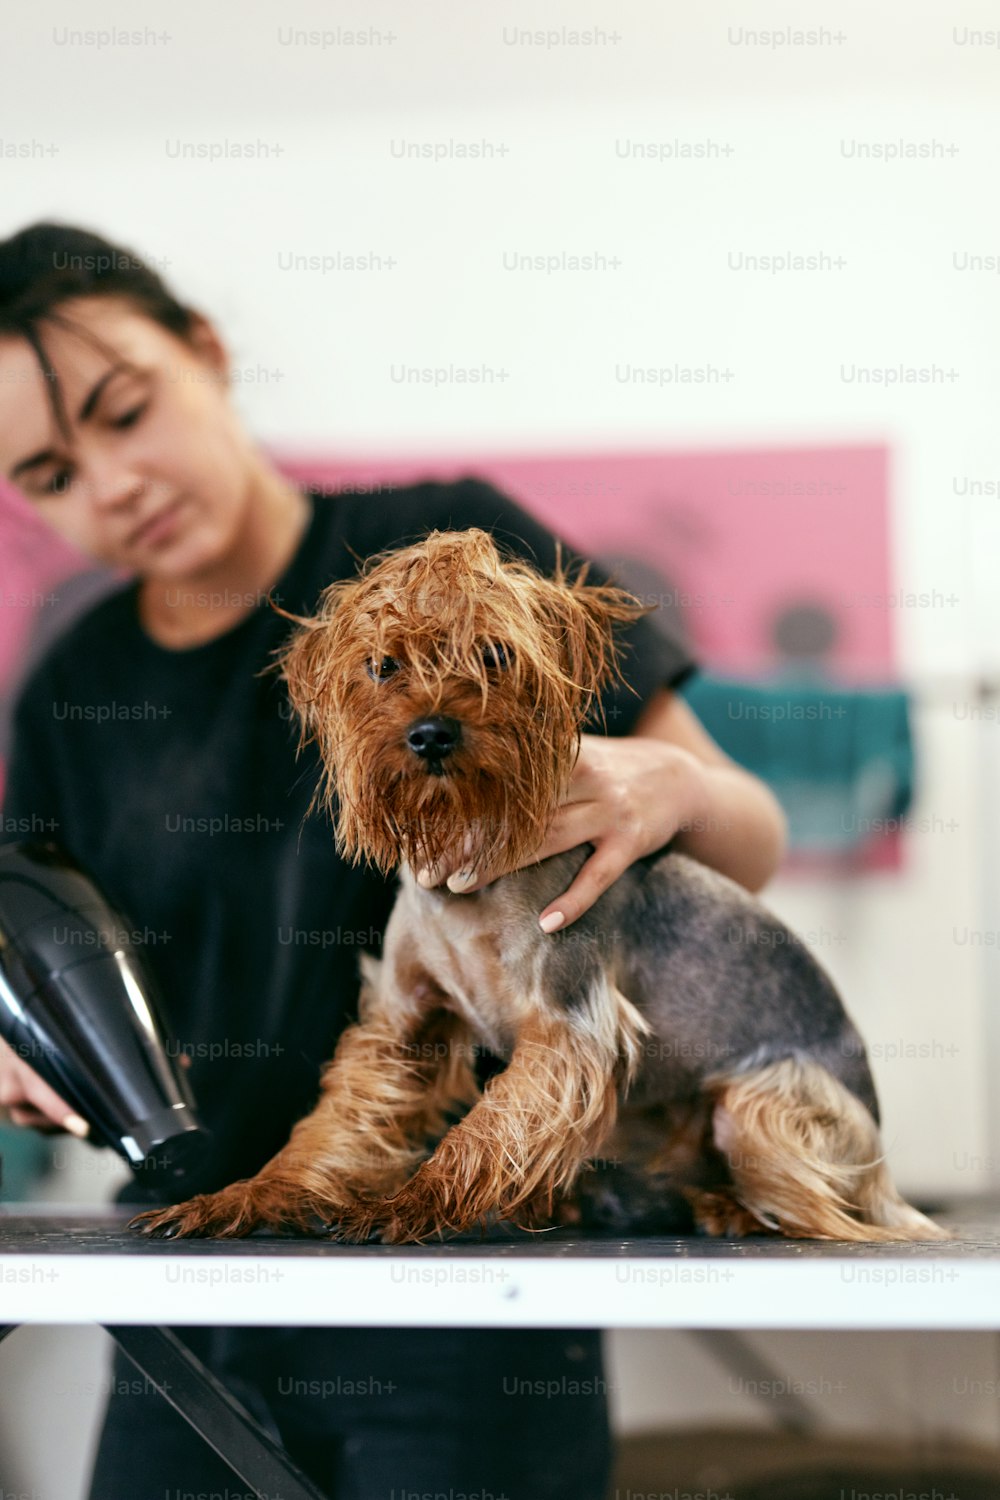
column 166, row 765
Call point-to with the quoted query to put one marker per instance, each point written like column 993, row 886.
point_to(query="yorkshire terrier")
column 676, row 1058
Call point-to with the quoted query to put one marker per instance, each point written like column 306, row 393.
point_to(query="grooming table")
column 57, row 1267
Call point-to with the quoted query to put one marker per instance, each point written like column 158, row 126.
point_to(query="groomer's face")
column 154, row 473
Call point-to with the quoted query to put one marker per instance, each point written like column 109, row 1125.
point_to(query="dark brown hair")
column 47, row 264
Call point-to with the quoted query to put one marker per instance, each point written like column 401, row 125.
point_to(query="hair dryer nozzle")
column 78, row 1005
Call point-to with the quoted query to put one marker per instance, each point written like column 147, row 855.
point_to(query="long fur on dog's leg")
column 383, row 1094
column 806, row 1157
column 535, row 1125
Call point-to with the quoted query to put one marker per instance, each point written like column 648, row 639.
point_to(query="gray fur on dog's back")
column 723, row 982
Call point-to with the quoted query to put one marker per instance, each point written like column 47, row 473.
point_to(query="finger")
column 467, row 879
column 573, row 824
column 429, row 876
column 23, row 1114
column 45, row 1099
column 576, row 824
column 32, row 1119
column 25, row 1094
column 568, row 827
column 610, row 860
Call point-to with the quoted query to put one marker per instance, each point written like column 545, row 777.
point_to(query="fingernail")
column 554, row 920
column 77, row 1124
column 462, row 879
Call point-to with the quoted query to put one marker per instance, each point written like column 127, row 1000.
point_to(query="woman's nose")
column 110, row 485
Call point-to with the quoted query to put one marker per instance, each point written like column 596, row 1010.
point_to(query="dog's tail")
column 806, row 1157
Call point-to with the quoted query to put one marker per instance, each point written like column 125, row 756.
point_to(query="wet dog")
column 676, row 1057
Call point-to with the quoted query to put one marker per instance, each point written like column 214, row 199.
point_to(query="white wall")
column 101, row 126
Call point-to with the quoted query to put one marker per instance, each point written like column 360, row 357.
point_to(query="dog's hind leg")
column 806, row 1158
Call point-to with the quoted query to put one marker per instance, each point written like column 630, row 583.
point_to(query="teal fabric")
column 25, row 1158
column 840, row 760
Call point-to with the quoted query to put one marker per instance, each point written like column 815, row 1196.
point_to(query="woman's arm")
column 742, row 831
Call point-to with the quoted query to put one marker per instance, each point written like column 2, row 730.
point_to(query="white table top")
column 85, row 1267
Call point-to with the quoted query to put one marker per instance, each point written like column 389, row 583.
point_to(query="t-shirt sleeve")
column 653, row 657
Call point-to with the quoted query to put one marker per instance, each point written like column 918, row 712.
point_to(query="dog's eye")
column 497, row 656
column 381, row 667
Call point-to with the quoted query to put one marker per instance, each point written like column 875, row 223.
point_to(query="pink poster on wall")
column 737, row 542
column 734, row 540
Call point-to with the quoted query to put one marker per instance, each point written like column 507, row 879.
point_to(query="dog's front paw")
column 364, row 1220
column 230, row 1214
column 408, row 1217
column 198, row 1216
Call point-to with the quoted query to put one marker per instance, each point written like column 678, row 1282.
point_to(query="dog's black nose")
column 434, row 738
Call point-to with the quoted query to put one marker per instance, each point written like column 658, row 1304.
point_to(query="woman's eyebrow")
column 86, row 411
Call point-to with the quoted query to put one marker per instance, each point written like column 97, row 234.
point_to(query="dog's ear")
column 583, row 616
column 302, row 661
column 307, row 658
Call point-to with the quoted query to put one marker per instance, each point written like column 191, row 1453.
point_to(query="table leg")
column 213, row 1412
column 789, row 1411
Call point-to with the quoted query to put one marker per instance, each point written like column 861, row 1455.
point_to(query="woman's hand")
column 29, row 1100
column 628, row 797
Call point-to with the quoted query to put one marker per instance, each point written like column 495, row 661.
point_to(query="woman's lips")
column 158, row 526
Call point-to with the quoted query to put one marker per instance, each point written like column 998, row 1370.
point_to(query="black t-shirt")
column 172, row 777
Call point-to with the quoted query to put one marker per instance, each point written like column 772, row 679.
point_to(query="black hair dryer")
column 77, row 1005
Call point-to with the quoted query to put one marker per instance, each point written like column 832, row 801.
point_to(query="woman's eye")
column 130, row 416
column 61, row 480
column 497, row 656
column 58, row 484
column 383, row 666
